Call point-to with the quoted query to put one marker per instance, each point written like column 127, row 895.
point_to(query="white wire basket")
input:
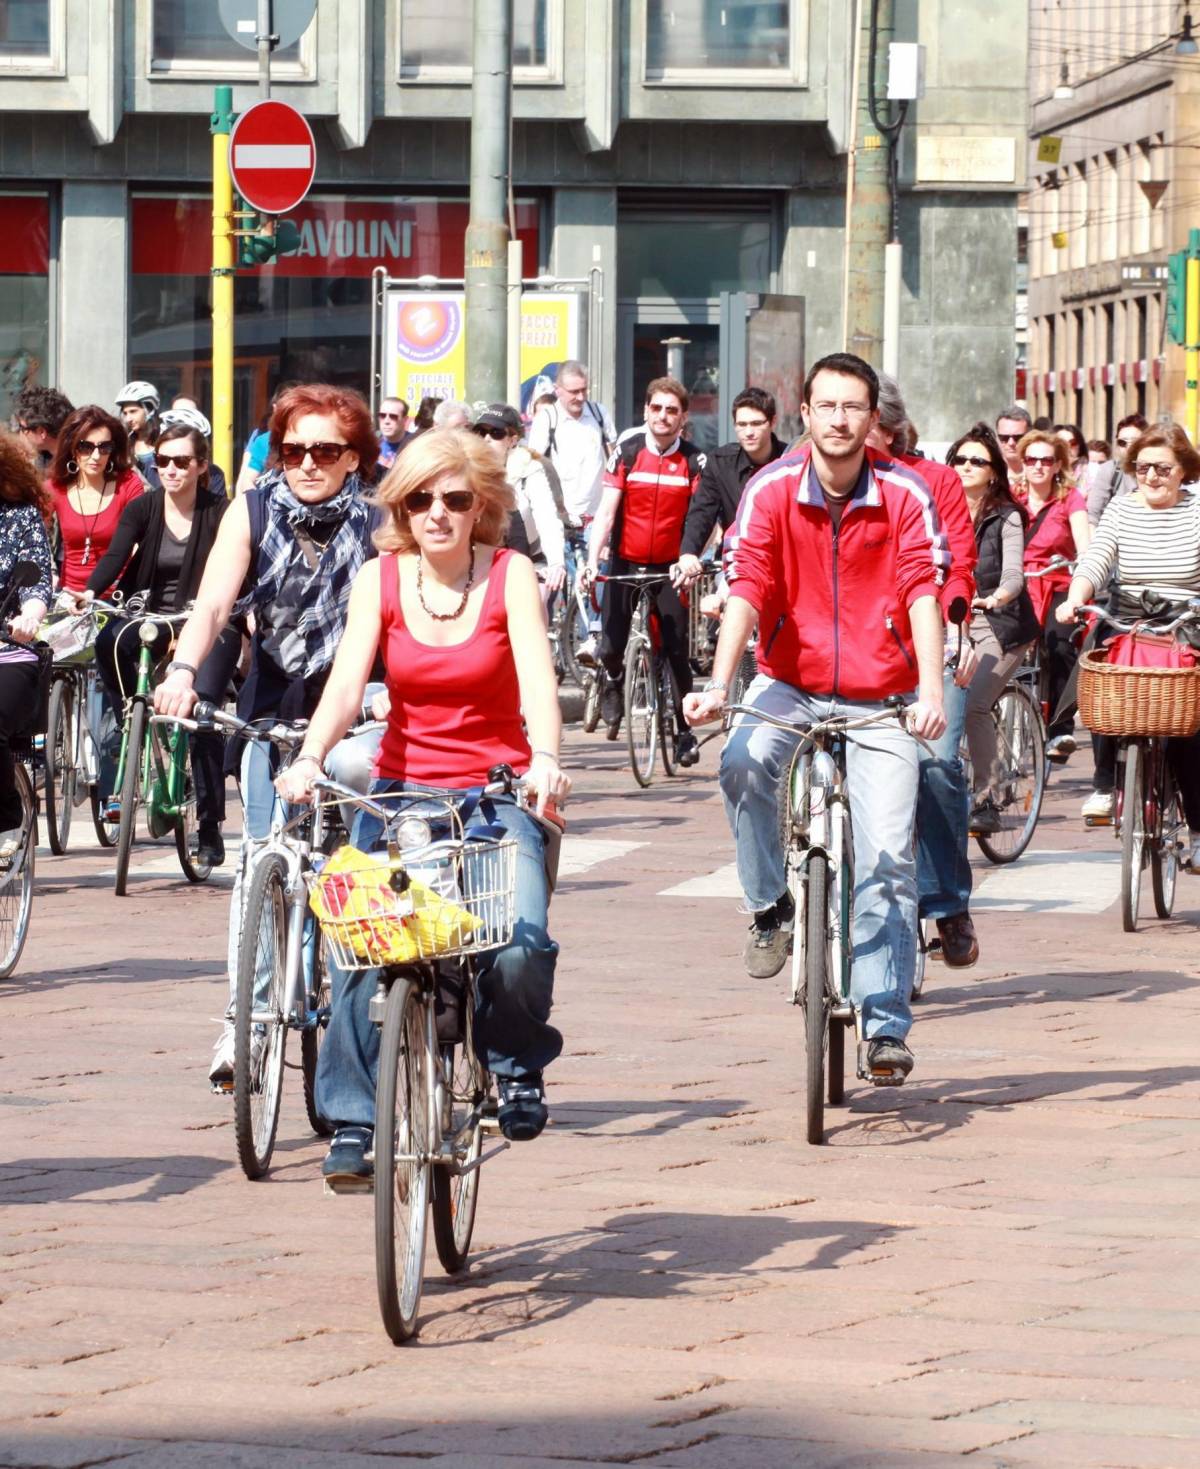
column 458, row 900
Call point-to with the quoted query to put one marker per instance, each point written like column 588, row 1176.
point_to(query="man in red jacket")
column 838, row 557
column 943, row 868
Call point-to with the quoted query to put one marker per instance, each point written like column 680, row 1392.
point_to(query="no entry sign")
column 272, row 157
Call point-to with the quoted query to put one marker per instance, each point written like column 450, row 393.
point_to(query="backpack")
column 588, row 407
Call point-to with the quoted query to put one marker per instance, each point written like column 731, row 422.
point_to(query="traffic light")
column 269, row 237
column 1177, row 297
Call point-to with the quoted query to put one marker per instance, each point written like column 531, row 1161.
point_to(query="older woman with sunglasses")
column 458, row 620
column 1149, row 538
column 296, row 541
column 1058, row 527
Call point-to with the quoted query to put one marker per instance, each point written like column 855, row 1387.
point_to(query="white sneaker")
column 1098, row 806
column 1190, row 861
column 10, row 845
column 220, row 1073
column 587, row 653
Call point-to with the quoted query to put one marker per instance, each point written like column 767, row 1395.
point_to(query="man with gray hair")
column 452, row 413
column 943, row 869
column 1011, row 427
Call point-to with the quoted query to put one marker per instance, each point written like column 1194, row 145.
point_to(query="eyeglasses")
column 324, row 455
column 831, row 410
column 960, row 459
column 1010, row 438
column 664, row 410
column 1035, row 461
column 488, row 431
column 180, row 461
column 1144, row 468
column 750, row 423
column 87, row 448
column 457, row 502
column 1125, row 443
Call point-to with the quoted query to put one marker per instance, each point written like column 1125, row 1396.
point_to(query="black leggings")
column 616, row 613
column 1059, row 655
column 1184, row 756
column 117, row 648
column 18, row 701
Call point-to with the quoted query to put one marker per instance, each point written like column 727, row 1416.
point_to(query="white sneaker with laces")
column 10, row 845
column 586, row 653
column 1098, row 806
column 1191, row 858
column 220, row 1073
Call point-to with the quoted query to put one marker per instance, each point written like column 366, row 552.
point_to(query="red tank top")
column 456, row 711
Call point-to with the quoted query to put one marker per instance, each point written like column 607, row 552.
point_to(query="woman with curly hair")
column 92, row 480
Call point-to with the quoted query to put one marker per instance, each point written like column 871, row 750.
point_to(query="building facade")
column 1114, row 117
column 687, row 148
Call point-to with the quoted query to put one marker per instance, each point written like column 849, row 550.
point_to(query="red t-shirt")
column 85, row 538
column 456, row 711
column 1052, row 537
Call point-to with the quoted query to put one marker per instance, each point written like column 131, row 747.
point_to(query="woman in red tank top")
column 471, row 682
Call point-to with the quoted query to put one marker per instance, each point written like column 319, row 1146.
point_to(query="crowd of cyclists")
column 405, row 565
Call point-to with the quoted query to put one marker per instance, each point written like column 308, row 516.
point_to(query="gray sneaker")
column 770, row 940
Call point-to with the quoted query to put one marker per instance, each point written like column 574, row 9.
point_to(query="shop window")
column 685, row 37
column 435, row 38
column 187, row 35
column 718, row 255
column 24, row 295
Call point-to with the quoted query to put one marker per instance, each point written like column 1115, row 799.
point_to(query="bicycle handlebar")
column 837, row 724
column 1189, row 615
column 1058, row 563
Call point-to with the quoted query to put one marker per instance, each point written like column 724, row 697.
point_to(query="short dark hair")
column 38, row 407
column 394, row 398
column 1100, row 446
column 757, row 398
column 1134, row 420
column 668, row 385
column 1016, row 411
column 849, row 366
column 1078, row 442
column 999, row 492
column 1042, row 423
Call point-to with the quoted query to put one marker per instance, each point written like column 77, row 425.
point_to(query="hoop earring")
column 72, row 467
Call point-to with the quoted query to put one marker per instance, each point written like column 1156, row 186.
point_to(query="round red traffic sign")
column 272, row 157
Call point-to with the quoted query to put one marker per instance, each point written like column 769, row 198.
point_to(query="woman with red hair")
column 296, row 541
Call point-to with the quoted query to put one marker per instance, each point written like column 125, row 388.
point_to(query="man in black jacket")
column 725, row 474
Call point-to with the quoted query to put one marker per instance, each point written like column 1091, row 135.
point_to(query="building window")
column 435, row 38
column 721, row 255
column 187, row 35
column 704, row 36
column 24, row 294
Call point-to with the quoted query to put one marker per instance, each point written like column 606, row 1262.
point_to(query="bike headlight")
column 148, row 632
column 412, row 831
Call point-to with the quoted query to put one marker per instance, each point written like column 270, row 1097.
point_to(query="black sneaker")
column 612, row 703
column 985, row 818
column 888, row 1060
column 210, row 845
column 687, row 748
column 346, row 1161
column 770, row 939
column 523, row 1112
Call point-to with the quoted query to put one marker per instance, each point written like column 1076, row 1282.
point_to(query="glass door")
column 671, row 339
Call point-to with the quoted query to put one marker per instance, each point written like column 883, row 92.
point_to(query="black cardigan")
column 141, row 526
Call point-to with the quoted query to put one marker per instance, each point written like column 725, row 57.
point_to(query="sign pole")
column 264, row 38
column 1192, row 334
column 487, row 231
column 222, row 286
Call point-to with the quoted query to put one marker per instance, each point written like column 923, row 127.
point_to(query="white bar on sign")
column 247, row 27
column 272, row 155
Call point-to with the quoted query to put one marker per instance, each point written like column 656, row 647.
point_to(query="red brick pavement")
column 996, row 1263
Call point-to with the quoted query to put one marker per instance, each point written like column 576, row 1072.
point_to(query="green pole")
column 487, row 233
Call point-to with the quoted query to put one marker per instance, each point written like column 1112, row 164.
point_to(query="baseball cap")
column 499, row 415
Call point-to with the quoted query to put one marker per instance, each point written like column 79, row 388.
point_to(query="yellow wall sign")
column 1059, row 239
column 1049, row 149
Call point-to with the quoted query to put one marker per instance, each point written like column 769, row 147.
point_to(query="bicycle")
column 154, row 769
column 1148, row 817
column 819, row 858
column 430, row 903
column 569, row 613
column 651, row 697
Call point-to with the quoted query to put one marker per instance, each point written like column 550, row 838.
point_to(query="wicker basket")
column 1117, row 700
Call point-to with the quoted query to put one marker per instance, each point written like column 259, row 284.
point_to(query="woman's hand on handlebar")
column 175, row 696
column 704, row 708
column 1066, row 611
column 546, row 781
column 24, row 627
column 295, row 784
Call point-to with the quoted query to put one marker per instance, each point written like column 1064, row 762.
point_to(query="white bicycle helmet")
column 186, row 418
column 138, row 392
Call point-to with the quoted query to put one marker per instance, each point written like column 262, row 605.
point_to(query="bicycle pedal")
column 886, row 1078
column 1097, row 821
column 340, row 1187
column 222, row 1088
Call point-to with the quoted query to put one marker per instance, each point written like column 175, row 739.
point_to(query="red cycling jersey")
column 656, row 490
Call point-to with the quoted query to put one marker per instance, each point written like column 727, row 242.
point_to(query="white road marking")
column 580, row 854
column 723, row 883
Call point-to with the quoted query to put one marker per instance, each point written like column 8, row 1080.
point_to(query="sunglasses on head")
column 960, row 459
column 487, row 431
column 457, row 502
column 324, row 455
column 86, row 447
column 180, row 461
column 1031, row 461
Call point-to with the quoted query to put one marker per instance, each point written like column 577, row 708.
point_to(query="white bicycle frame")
column 819, row 821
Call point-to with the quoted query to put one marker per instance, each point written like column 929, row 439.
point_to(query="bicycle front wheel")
column 591, row 701
column 403, row 1108
column 816, row 992
column 320, row 998
column 1164, row 847
column 184, row 781
column 260, row 1016
column 61, row 740
column 455, row 1191
column 641, row 710
column 1133, row 836
column 130, row 788
column 1021, row 755
column 666, row 716
column 16, row 884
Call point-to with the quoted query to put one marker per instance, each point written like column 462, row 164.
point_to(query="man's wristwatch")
column 715, row 686
column 175, row 666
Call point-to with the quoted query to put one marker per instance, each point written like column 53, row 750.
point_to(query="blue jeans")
column 881, row 769
column 943, row 871
column 514, row 985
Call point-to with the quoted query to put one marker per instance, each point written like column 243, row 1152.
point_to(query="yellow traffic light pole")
column 222, row 287
column 1192, row 334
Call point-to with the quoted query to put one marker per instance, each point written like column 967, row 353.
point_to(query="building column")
column 812, row 262
column 585, row 234
column 93, row 318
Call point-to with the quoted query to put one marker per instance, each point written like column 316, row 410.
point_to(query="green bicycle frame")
column 163, row 756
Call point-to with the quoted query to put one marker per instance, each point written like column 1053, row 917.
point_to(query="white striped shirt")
column 1146, row 547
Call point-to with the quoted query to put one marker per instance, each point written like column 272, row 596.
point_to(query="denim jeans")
column 943, row 870
column 514, row 985
column 881, row 769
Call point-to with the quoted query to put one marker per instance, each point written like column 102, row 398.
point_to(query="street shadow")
column 581, row 825
column 68, row 1180
column 116, row 971
column 659, row 1116
column 941, row 1000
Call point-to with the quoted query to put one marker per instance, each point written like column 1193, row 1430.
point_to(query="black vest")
column 1015, row 623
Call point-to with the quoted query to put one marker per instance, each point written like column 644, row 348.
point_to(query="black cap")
column 499, row 415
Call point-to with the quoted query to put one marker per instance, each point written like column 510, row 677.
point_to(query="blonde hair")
column 1064, row 480
column 435, row 455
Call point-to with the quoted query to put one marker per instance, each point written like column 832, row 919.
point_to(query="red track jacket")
column 950, row 501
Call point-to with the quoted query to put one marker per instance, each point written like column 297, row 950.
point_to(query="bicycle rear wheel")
column 61, row 757
column 16, row 884
column 1133, row 835
column 816, row 992
column 641, row 710
column 574, row 632
column 1164, row 845
column 666, row 716
column 320, row 997
column 1021, row 752
column 260, row 1016
column 455, row 1195
column 185, row 822
column 403, row 1108
column 130, row 791
column 591, row 701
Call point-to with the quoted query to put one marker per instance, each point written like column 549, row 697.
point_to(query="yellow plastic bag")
column 358, row 908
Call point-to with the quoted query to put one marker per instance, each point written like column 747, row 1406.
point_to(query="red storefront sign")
column 338, row 237
column 24, row 234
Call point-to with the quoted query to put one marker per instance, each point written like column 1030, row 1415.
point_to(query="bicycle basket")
column 1115, row 699
column 71, row 636
column 459, row 900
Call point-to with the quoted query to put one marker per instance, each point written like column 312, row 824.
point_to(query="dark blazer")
column 719, row 493
column 138, row 537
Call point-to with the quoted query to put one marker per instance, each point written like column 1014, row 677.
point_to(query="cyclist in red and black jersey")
column 648, row 487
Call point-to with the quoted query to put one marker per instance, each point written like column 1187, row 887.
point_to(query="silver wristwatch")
column 714, row 685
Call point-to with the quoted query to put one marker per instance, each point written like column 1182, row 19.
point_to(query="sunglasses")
column 1125, row 443
column 960, row 459
column 324, row 455
column 384, row 414
column 1032, row 461
column 457, row 502
column 86, row 447
column 1010, row 438
column 180, row 461
column 1144, row 469
column 486, row 431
